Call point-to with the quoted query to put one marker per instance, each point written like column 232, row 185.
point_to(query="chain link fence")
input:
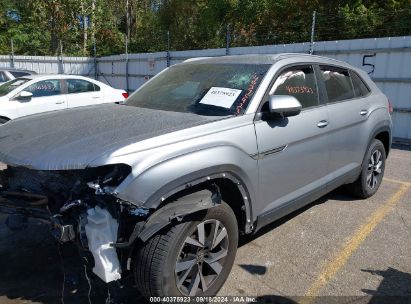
column 321, row 27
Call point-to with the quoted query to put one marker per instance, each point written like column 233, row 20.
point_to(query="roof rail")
column 196, row 58
column 279, row 56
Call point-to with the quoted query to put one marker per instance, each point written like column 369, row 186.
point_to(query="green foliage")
column 41, row 27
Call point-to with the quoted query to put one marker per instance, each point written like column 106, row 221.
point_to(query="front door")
column 293, row 151
column 47, row 96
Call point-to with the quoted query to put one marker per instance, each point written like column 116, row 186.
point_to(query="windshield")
column 9, row 86
column 204, row 89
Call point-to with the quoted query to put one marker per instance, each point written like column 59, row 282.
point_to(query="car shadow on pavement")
column 339, row 194
column 245, row 239
column 402, row 146
column 33, row 268
column 395, row 287
column 273, row 299
column 254, row 269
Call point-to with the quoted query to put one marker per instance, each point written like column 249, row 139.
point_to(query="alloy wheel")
column 201, row 258
column 374, row 169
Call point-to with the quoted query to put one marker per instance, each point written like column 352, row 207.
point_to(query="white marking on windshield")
column 221, row 97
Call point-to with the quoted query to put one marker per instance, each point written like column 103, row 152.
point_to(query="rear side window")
column 18, row 74
column 80, row 86
column 298, row 81
column 45, row 88
column 338, row 83
column 360, row 88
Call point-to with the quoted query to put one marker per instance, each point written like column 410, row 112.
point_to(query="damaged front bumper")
column 81, row 207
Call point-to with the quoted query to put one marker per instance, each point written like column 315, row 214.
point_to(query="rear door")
column 81, row 93
column 348, row 108
column 47, row 96
column 293, row 151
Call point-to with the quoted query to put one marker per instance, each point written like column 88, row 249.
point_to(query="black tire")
column 363, row 187
column 155, row 261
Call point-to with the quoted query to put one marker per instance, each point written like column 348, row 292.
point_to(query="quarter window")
column 298, row 82
column 45, row 88
column 360, row 89
column 337, row 84
column 80, row 86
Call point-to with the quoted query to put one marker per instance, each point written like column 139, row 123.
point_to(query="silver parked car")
column 7, row 74
column 162, row 186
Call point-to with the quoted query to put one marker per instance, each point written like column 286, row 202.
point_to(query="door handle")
column 363, row 112
column 322, row 124
column 95, row 97
column 59, row 102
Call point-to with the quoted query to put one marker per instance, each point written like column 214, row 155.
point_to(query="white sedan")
column 42, row 93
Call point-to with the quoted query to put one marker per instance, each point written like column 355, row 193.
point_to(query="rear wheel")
column 372, row 171
column 191, row 258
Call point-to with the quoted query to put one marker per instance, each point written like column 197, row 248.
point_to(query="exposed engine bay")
column 81, row 207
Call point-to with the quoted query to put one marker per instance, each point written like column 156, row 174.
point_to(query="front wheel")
column 372, row 171
column 192, row 258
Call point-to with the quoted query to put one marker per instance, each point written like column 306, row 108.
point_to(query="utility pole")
column 127, row 20
column 228, row 40
column 61, row 58
column 127, row 39
column 95, row 57
column 12, row 54
column 84, row 21
column 93, row 34
column 127, row 87
column 313, row 33
column 168, row 49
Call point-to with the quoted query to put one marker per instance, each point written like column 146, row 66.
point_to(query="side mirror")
column 284, row 105
column 24, row 96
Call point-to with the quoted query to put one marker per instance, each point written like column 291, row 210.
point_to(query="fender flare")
column 163, row 194
column 174, row 211
column 381, row 128
column 177, row 210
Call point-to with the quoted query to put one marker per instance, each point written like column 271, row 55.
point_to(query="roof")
column 54, row 76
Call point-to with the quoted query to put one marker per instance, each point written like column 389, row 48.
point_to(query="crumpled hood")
column 71, row 139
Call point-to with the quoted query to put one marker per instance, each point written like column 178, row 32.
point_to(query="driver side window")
column 45, row 88
column 298, row 81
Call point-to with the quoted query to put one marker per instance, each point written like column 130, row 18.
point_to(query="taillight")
column 390, row 108
column 125, row 95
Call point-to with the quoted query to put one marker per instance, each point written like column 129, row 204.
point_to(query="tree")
column 38, row 26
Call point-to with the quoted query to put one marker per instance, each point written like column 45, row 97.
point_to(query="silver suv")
column 161, row 188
